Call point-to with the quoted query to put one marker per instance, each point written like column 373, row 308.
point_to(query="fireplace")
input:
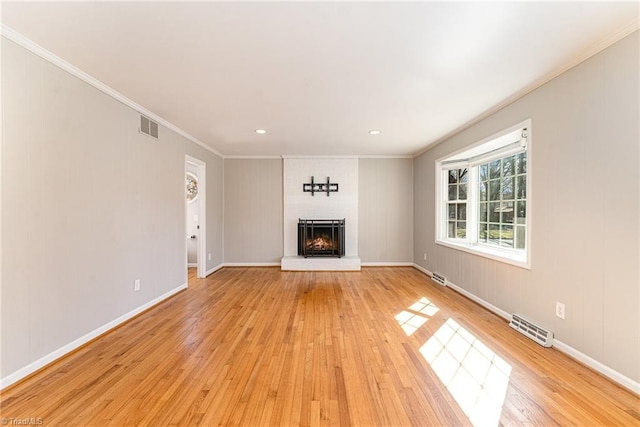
column 321, row 238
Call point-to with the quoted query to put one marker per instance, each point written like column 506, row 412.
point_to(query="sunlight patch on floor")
column 413, row 318
column 410, row 322
column 424, row 306
column 476, row 377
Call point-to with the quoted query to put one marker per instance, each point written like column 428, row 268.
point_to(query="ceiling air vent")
column 148, row 127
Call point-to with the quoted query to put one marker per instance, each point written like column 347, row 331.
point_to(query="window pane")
column 494, row 169
column 494, row 212
column 522, row 187
column 507, row 188
column 483, row 191
column 520, row 237
column 521, row 163
column 453, row 176
column 482, row 233
column 507, row 212
column 462, row 175
column 484, row 172
column 494, row 189
column 462, row 211
column 452, row 210
column 462, row 230
column 483, row 212
column 494, row 234
column 452, row 230
column 521, row 212
column 462, row 192
column 506, row 236
column 508, row 166
column 453, row 192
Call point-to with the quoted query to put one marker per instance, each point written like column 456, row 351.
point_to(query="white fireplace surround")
column 341, row 204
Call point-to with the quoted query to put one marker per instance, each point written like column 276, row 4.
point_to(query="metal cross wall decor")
column 313, row 187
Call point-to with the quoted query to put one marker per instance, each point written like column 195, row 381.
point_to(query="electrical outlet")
column 425, row 256
column 136, row 285
column 560, row 310
column 209, row 257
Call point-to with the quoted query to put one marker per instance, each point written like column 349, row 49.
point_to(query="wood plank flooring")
column 257, row 346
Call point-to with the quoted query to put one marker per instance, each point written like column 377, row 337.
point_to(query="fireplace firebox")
column 321, row 238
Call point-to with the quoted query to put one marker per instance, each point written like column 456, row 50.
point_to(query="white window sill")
column 495, row 253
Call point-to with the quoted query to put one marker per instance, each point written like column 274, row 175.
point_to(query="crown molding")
column 390, row 156
column 373, row 156
column 239, row 157
column 598, row 47
column 19, row 39
column 284, row 156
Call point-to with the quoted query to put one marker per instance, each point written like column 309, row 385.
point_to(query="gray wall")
column 385, row 210
column 88, row 206
column 585, row 250
column 253, row 210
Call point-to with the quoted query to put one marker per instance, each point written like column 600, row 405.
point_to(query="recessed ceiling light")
column 261, row 131
column 375, row 132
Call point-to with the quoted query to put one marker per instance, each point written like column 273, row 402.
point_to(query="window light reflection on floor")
column 411, row 320
column 476, row 377
column 424, row 306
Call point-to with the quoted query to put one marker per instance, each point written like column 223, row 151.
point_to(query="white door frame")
column 202, row 215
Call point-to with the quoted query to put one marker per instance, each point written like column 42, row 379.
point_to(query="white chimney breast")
column 341, row 204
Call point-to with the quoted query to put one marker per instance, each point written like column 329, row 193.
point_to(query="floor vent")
column 439, row 279
column 531, row 330
column 148, row 127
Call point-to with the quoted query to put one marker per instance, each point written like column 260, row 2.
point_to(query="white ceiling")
column 319, row 75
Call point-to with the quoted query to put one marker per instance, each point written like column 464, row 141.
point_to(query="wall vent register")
column 540, row 335
column 439, row 279
column 148, row 127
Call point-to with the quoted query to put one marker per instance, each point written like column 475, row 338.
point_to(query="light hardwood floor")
column 257, row 346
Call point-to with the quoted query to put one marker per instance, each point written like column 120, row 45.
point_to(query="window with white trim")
column 483, row 197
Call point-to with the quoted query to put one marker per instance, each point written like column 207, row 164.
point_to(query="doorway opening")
column 195, row 216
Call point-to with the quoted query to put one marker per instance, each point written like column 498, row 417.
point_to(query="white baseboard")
column 599, row 367
column 192, row 264
column 251, row 264
column 469, row 295
column 421, row 268
column 62, row 351
column 387, row 264
column 480, row 301
column 241, row 264
column 279, row 264
column 213, row 270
